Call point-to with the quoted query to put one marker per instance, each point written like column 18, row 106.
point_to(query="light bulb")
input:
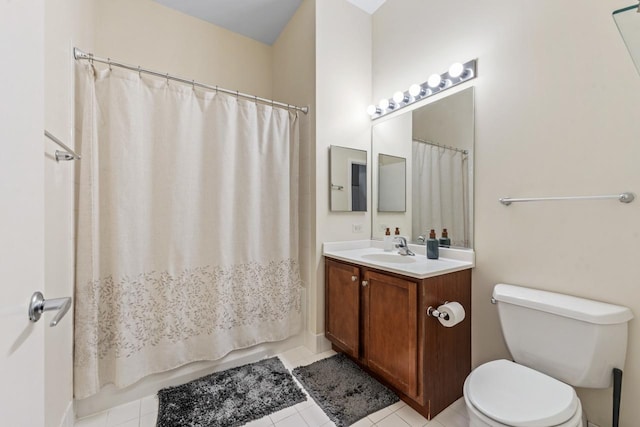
column 415, row 90
column 384, row 104
column 456, row 69
column 434, row 80
column 372, row 110
column 399, row 97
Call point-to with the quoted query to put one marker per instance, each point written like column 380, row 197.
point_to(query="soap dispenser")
column 445, row 241
column 388, row 241
column 432, row 245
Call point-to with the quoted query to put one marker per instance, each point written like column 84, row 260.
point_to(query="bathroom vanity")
column 376, row 312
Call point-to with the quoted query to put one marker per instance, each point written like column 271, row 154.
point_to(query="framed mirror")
column 628, row 22
column 348, row 179
column 436, row 139
column 392, row 180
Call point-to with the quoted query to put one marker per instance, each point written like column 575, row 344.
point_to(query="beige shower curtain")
column 187, row 227
column 441, row 192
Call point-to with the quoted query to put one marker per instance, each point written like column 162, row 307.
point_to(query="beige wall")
column 67, row 23
column 556, row 114
column 343, row 91
column 142, row 32
column 294, row 81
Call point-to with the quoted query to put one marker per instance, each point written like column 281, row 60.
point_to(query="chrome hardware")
column 626, row 197
column 63, row 155
column 402, row 247
column 433, row 312
column 38, row 305
column 421, row 239
column 493, row 300
column 354, row 278
column 365, row 283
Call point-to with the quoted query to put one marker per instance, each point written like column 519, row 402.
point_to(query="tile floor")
column 143, row 412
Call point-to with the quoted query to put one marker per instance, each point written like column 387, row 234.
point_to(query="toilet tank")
column 575, row 340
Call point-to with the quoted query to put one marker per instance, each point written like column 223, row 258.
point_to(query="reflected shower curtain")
column 440, row 192
column 187, row 227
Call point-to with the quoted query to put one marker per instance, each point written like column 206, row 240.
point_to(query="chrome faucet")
column 403, row 249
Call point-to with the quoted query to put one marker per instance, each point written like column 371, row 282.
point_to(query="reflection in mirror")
column 348, row 175
column 437, row 141
column 392, row 176
column 628, row 22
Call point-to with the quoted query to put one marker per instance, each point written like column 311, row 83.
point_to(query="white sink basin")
column 390, row 258
column 369, row 253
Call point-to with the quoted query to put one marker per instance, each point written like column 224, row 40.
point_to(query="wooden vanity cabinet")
column 379, row 319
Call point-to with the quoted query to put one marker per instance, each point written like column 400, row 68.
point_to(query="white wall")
column 67, row 23
column 557, row 100
column 343, row 91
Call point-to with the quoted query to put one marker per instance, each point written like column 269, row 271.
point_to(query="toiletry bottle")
column 445, row 241
column 432, row 245
column 397, row 231
column 388, row 241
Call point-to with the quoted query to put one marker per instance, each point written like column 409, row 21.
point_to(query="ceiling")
column 261, row 20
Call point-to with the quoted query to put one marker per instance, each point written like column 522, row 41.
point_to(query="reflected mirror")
column 392, row 173
column 628, row 22
column 436, row 140
column 348, row 179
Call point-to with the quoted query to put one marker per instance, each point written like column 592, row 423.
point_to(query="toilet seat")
column 515, row 395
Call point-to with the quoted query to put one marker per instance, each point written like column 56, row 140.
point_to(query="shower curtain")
column 187, row 227
column 440, row 181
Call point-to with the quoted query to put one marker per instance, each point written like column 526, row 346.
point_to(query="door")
column 342, row 306
column 391, row 330
column 21, row 211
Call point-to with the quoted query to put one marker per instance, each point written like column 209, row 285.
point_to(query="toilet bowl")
column 557, row 342
column 502, row 393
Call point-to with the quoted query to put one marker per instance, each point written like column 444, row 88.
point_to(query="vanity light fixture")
column 458, row 73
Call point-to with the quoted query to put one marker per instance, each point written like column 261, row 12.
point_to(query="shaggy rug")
column 230, row 398
column 344, row 391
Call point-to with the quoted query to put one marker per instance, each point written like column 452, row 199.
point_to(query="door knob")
column 354, row 278
column 365, row 283
column 38, row 305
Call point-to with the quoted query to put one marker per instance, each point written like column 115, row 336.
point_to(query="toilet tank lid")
column 563, row 305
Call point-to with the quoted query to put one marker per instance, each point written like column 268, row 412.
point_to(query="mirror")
column 436, row 140
column 348, row 179
column 628, row 22
column 392, row 175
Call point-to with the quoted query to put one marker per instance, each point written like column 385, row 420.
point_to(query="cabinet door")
column 342, row 306
column 391, row 330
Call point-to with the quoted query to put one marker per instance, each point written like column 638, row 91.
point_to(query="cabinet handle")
column 354, row 278
column 365, row 283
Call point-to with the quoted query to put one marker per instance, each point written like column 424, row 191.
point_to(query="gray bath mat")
column 229, row 398
column 344, row 391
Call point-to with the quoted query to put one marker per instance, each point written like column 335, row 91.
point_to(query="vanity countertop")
column 370, row 253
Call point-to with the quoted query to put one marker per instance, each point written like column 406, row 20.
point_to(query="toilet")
column 557, row 342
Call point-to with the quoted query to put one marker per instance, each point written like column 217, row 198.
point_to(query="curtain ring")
column 193, row 84
column 237, row 94
column 255, row 99
column 139, row 72
column 109, row 62
column 216, row 89
column 167, row 76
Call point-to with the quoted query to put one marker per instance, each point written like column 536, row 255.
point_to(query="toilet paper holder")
column 433, row 312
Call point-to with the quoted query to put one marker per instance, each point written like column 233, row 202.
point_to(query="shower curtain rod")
column 441, row 146
column 79, row 54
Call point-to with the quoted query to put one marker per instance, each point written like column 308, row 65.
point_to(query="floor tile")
column 122, row 413
column 98, row 420
column 148, row 405
column 399, row 404
column 411, row 416
column 293, row 421
column 148, row 420
column 365, row 422
column 379, row 415
column 282, row 414
column 460, row 407
column 392, row 421
column 452, row 418
column 314, row 416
